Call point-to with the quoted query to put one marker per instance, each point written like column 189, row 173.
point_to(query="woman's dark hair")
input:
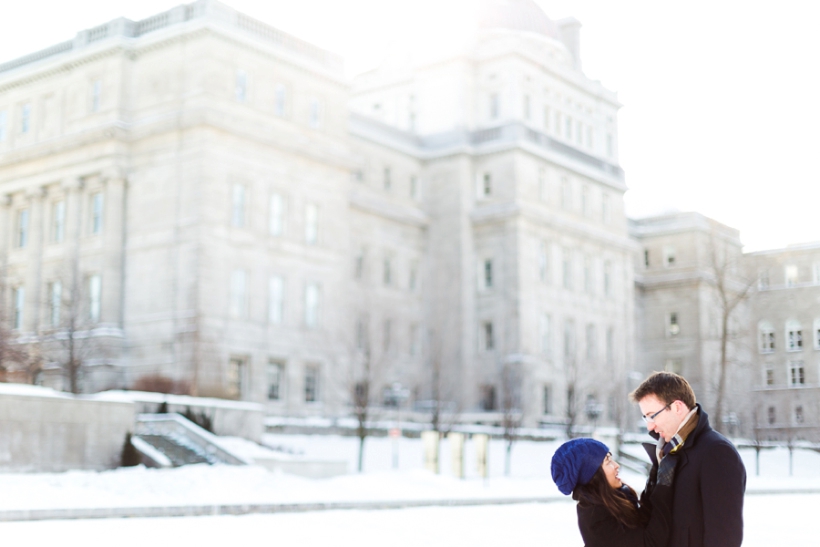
column 598, row 491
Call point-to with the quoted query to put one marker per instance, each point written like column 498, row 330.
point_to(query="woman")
column 609, row 513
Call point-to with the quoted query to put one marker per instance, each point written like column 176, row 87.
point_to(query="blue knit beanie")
column 575, row 462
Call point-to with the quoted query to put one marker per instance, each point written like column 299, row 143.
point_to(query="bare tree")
column 731, row 290
column 512, row 414
column 12, row 353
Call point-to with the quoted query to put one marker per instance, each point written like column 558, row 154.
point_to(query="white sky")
column 721, row 107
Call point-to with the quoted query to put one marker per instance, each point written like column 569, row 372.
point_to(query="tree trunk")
column 721, row 391
column 508, row 458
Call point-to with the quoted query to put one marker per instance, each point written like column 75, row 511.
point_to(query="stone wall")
column 45, row 431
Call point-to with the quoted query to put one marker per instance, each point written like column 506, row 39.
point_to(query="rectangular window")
column 25, row 118
column 488, row 399
column 794, row 338
column 545, row 334
column 276, row 299
column 486, row 185
column 798, row 415
column 361, row 335
column 239, row 294
column 315, row 113
column 412, row 281
column 766, row 339
column 312, row 305
column 387, row 179
column 546, row 400
column 311, row 383
column 763, row 280
column 791, row 275
column 488, row 274
column 277, row 215
column 279, row 100
column 669, row 256
column 387, row 272
column 276, row 376
column 797, row 373
column 672, row 326
column 238, row 201
column 311, row 224
column 22, row 228
column 96, row 95
column 358, row 265
column 768, row 375
column 236, row 372
column 94, row 297
column 610, row 145
column 19, row 296
column 771, row 415
column 3, row 123
column 241, row 86
column 489, row 341
column 58, row 221
column 567, row 269
column 96, row 212
column 674, row 365
column 55, row 302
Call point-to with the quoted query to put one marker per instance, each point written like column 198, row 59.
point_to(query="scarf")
column 687, row 426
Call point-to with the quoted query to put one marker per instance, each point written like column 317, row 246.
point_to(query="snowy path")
column 770, row 520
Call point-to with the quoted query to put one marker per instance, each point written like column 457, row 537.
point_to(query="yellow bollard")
column 429, row 440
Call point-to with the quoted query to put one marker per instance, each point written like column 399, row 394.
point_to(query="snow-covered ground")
column 782, row 519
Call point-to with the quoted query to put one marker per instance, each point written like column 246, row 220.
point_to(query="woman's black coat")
column 600, row 528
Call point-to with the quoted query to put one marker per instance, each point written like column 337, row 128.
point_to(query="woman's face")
column 611, row 469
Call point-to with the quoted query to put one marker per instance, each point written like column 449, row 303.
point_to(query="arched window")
column 794, row 335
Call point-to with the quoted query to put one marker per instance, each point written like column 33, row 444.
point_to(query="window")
column 358, row 265
column 668, row 256
column 412, row 278
column 22, row 228
column 3, row 122
column 387, row 272
column 543, row 262
column 94, row 297
column 277, row 215
column 674, row 365
column 311, row 224
column 488, row 274
column 96, row 212
column 768, row 375
column 489, row 341
column 413, row 348
column 763, row 279
column 312, row 305
column 646, row 258
column 276, row 299
column 387, row 179
column 236, row 372
column 791, row 275
column 569, row 341
column 592, row 343
column 797, row 373
column 771, row 415
column 25, row 118
column 238, row 199
column 241, row 86
column 546, row 400
column 607, row 278
column 567, row 269
column 19, row 296
column 610, row 145
column 488, row 398
column 494, row 106
column 96, row 95
column 58, row 221
column 798, row 415
column 276, row 376
column 486, row 185
column 765, row 334
column 545, row 334
column 794, row 336
column 527, row 107
column 311, row 383
column 239, row 294
column 279, row 100
column 315, row 113
column 361, row 335
column 55, row 302
column 672, row 325
column 566, row 194
column 587, row 274
column 387, row 331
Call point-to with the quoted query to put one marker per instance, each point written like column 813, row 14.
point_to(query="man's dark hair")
column 666, row 386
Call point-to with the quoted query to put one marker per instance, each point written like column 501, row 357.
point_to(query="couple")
column 694, row 494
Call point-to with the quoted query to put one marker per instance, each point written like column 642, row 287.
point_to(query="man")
column 707, row 505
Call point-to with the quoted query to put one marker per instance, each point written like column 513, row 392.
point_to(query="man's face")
column 667, row 422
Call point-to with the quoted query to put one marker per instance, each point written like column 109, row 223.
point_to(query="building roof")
column 523, row 15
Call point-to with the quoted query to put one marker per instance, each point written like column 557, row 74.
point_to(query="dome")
column 522, row 15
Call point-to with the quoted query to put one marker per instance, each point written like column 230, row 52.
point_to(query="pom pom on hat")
column 575, row 462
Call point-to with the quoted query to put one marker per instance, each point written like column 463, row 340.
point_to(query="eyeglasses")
column 651, row 418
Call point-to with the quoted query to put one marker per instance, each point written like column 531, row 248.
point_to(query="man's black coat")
column 710, row 481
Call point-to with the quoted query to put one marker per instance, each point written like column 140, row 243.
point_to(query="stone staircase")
column 170, row 440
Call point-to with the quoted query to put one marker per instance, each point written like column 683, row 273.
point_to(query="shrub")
column 199, row 418
column 158, row 383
